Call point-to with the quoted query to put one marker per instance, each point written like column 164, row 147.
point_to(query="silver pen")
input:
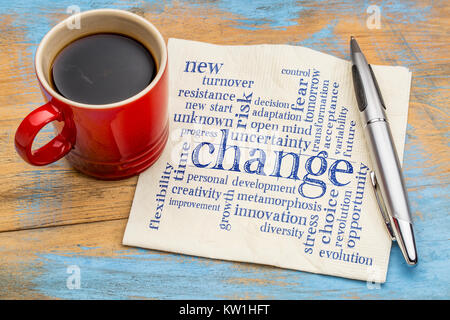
column 387, row 178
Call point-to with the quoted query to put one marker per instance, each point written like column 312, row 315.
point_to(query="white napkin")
column 267, row 163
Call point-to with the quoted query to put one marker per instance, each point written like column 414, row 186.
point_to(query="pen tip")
column 405, row 239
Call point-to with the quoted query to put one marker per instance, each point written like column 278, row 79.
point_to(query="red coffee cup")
column 111, row 141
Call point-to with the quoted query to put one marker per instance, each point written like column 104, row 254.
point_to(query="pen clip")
column 381, row 204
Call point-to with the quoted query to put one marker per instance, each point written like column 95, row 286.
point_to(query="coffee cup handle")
column 55, row 149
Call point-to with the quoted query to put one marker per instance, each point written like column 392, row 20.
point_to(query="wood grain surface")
column 53, row 217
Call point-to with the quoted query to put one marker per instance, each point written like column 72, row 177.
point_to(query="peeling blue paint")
column 37, row 196
column 167, row 276
column 325, row 39
column 32, row 16
column 262, row 14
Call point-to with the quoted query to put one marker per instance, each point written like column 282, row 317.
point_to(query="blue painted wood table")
column 56, row 223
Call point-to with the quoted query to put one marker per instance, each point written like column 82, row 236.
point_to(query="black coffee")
column 102, row 68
